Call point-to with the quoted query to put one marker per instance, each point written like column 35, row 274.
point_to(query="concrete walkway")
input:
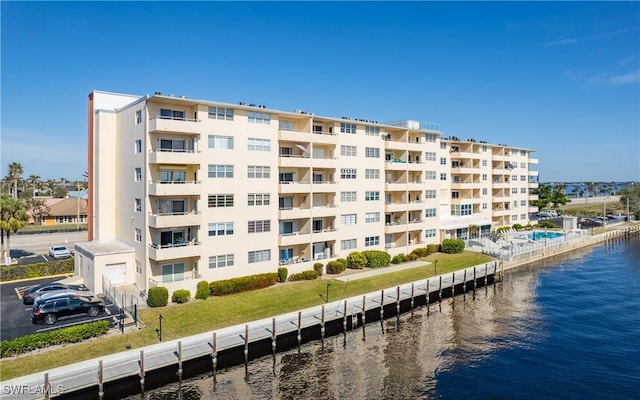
column 354, row 274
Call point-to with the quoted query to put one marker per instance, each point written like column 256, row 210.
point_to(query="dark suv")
column 30, row 294
column 50, row 310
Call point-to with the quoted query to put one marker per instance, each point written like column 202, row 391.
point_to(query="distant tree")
column 13, row 217
column 558, row 197
column 38, row 209
column 35, row 183
column 473, row 231
column 14, row 173
column 50, row 185
column 544, row 195
column 575, row 191
column 59, row 192
column 631, row 194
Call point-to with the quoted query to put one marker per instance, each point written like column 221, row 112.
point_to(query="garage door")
column 116, row 274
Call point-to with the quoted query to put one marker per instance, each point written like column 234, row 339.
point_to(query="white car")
column 58, row 252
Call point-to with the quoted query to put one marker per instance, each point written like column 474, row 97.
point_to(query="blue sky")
column 562, row 79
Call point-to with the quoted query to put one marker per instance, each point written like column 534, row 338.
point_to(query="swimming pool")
column 539, row 235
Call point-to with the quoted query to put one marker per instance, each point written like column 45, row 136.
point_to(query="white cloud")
column 615, row 78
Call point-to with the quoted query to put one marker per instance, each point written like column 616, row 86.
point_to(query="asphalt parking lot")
column 15, row 317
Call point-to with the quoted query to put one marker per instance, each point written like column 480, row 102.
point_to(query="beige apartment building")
column 184, row 190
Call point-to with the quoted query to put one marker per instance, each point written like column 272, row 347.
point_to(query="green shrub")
column 547, row 224
column 15, row 272
column 412, row 256
column 202, row 290
column 433, row 248
column 242, row 284
column 158, row 296
column 453, row 246
column 318, row 267
column 181, row 296
column 503, row 229
column 376, row 258
column 71, row 334
column 397, row 259
column 421, row 252
column 335, row 267
column 307, row 275
column 343, row 262
column 283, row 273
column 517, row 226
column 355, row 260
column 405, row 257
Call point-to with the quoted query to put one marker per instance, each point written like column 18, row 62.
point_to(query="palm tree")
column 50, row 185
column 473, row 231
column 14, row 216
column 35, row 182
column 590, row 189
column 15, row 172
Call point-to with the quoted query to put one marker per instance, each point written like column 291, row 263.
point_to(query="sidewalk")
column 354, row 274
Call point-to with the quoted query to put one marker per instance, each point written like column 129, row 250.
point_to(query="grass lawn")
column 214, row 313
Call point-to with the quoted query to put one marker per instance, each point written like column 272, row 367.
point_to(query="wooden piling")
column 142, row 374
column 398, row 301
column 322, row 325
column 412, row 295
column 453, row 284
column 100, row 381
column 299, row 337
column 344, row 318
column 440, row 289
column 273, row 340
column 180, row 360
column 246, row 350
column 364, row 310
column 214, row 358
column 382, row 305
column 47, row 388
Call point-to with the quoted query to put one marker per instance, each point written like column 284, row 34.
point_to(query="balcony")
column 395, row 186
column 324, row 162
column 293, row 238
column 174, row 188
column 533, row 161
column 415, row 205
column 324, row 186
column 396, row 165
column 395, row 227
column 466, row 185
column 286, row 187
column 324, row 138
column 158, row 252
column 160, row 156
column 294, row 136
column 499, row 212
column 395, row 144
column 533, row 185
column 501, row 185
column 294, row 212
column 175, row 125
column 325, row 211
column 294, row 161
column 418, row 186
column 500, row 157
column 324, row 235
column 399, row 206
column 175, row 219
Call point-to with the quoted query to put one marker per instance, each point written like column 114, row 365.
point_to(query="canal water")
column 566, row 327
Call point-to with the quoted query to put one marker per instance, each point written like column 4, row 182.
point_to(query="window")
column 138, row 117
column 514, row 190
column 523, row 178
column 259, row 226
column 347, row 151
column 371, row 130
column 523, row 153
column 429, row 233
column 372, row 217
column 172, row 272
column 443, row 160
column 484, row 149
column 443, row 176
column 430, row 194
column 138, row 147
column 523, row 203
column 484, row 177
column 460, row 209
column 429, row 156
column 221, row 229
column 347, row 173
column 347, row 197
column 430, row 175
column 347, row 128
column 221, row 261
column 138, row 266
column 348, row 244
column 220, row 142
column 165, row 113
column 523, row 216
column 138, row 235
column 138, row 205
column 514, row 178
column 443, row 146
column 318, row 128
column 484, row 163
column 258, row 171
column 138, row 174
column 372, row 152
column 484, row 191
column 428, row 137
column 455, row 195
column 372, row 195
column 514, row 217
column 348, row 219
column 220, row 171
column 286, row 125
column 523, row 165
column 221, row 113
column 259, row 199
column 515, row 204
column 259, row 118
column 372, row 174
column 172, row 145
column 259, row 144
column 371, row 241
column 430, row 212
column 523, row 190
column 220, row 200
column 484, row 206
column 259, row 256
column 171, row 207
column 514, row 152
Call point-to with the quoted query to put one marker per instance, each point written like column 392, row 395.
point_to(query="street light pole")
column 78, row 204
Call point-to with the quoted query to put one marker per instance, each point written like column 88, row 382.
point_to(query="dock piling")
column 142, row 374
column 100, row 382
column 214, row 358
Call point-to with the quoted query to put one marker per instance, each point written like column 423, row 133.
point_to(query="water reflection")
column 399, row 359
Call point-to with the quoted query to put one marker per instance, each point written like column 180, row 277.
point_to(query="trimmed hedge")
column 282, row 274
column 376, row 258
column 397, row 259
column 72, row 334
column 453, row 246
column 15, row 272
column 355, row 260
column 343, row 262
column 242, row 284
column 318, row 267
column 335, row 267
column 202, row 290
column 433, row 248
column 307, row 275
column 421, row 252
column 181, row 296
column 158, row 296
